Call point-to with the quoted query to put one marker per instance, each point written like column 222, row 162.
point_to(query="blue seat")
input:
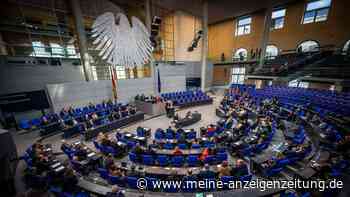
column 159, row 134
column 226, row 180
column 103, row 173
column 196, row 146
column 183, row 146
column 177, row 161
column 147, row 160
column 282, row 162
column 192, row 160
column 245, row 178
column 163, row 160
column 97, row 146
column 273, row 171
column 132, row 182
column 150, row 185
column 191, row 135
column 210, row 159
column 168, row 146
column 140, row 132
column 169, row 136
column 24, row 124
column 116, row 180
column 221, row 157
column 133, row 157
column 36, row 122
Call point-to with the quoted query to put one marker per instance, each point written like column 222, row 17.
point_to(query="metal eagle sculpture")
column 119, row 42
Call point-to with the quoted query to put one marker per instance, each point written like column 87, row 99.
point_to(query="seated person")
column 132, row 110
column 176, row 118
column 150, row 150
column 204, row 154
column 116, row 115
column 170, row 130
column 94, row 116
column 138, row 149
column 44, row 121
column 80, row 152
column 206, row 173
column 66, row 146
column 132, row 172
column 189, row 176
column 116, row 192
column 101, row 136
column 114, row 171
column 124, row 113
column 70, row 181
column 90, row 124
column 108, row 161
column 177, row 152
column 240, row 169
column 224, row 169
column 188, row 114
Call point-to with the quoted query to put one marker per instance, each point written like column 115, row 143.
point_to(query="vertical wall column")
column 266, row 35
column 204, row 44
column 79, row 26
column 151, row 62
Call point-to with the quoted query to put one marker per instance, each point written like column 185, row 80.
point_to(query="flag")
column 159, row 83
column 114, row 79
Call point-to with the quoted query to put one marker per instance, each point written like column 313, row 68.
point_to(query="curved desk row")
column 195, row 117
column 92, row 133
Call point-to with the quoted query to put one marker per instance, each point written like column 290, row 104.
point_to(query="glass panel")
column 71, row 51
column 278, row 23
column 240, row 31
column 39, row 50
column 318, row 4
column 309, row 17
column 247, row 29
column 241, row 54
column 56, row 50
column 322, row 15
column 244, row 21
column 278, row 13
column 309, row 46
column 271, row 51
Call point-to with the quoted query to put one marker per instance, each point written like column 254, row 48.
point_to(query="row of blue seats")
column 160, row 135
column 251, row 150
column 101, row 110
column 282, row 163
column 176, row 160
column 131, row 182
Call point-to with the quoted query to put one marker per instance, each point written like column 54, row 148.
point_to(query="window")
column 241, row 54
column 238, row 74
column 308, row 46
column 243, row 25
column 277, row 20
column 39, row 50
column 56, row 50
column 316, row 11
column 271, row 52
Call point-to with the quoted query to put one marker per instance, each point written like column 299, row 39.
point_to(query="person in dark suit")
column 240, row 169
column 80, row 152
column 70, row 181
column 206, row 173
column 116, row 192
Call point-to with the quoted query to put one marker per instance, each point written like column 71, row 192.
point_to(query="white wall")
column 81, row 93
column 22, row 78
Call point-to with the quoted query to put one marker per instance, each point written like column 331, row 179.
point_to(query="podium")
column 149, row 108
